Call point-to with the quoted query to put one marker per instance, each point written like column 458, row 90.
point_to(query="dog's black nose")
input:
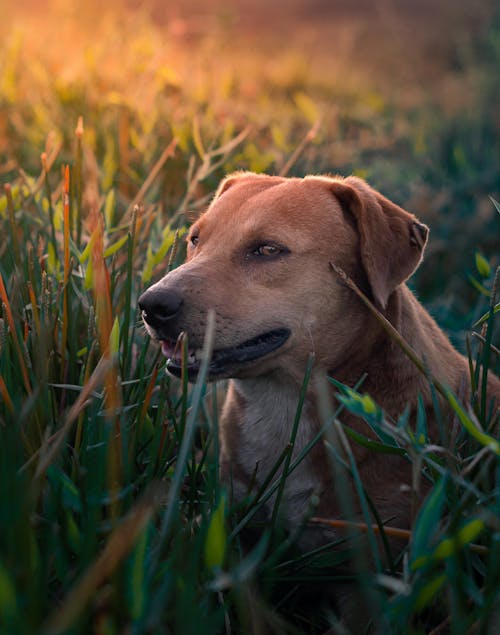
column 158, row 306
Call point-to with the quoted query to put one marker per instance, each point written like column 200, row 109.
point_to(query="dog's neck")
column 391, row 378
column 258, row 419
column 268, row 403
column 269, row 406
column 259, row 412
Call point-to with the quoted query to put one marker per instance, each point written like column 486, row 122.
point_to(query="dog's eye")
column 194, row 239
column 266, row 251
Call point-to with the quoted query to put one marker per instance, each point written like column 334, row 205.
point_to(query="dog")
column 260, row 257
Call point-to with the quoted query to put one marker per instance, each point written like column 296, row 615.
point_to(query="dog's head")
column 260, row 258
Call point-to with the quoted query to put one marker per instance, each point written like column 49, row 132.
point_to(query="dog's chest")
column 257, row 428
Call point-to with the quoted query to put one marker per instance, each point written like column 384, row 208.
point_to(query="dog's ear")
column 232, row 179
column 249, row 177
column 225, row 184
column 392, row 241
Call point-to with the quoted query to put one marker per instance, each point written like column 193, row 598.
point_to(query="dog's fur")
column 260, row 258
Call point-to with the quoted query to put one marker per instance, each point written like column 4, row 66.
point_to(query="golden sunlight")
column 236, row 63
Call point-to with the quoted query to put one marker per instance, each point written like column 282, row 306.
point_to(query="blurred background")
column 402, row 93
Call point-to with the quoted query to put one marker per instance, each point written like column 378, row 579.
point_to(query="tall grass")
column 112, row 517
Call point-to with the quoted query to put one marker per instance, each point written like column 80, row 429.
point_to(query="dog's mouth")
column 224, row 361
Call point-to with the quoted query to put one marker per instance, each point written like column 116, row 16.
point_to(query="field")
column 116, row 124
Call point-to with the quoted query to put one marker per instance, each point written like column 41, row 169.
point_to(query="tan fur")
column 318, row 220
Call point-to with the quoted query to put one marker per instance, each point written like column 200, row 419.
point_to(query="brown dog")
column 260, row 258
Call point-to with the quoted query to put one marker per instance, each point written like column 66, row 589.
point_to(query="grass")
column 112, row 518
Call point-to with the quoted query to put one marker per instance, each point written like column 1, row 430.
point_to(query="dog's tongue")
column 168, row 349
column 173, row 351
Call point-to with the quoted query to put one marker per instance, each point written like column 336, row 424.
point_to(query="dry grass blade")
column 5, row 395
column 10, row 321
column 15, row 243
column 389, row 328
column 441, row 628
column 207, row 167
column 49, row 450
column 47, row 162
column 67, row 224
column 493, row 348
column 300, row 148
column 231, row 145
column 34, row 307
column 393, row 532
column 468, row 423
column 166, row 154
column 118, row 546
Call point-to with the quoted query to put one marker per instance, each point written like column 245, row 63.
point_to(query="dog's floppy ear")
column 392, row 241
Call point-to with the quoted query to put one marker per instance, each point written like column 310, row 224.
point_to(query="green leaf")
column 73, row 533
column 137, row 577
column 58, row 216
column 483, row 266
column 375, row 446
column 148, row 267
column 307, row 107
column 362, row 404
column 279, row 137
column 52, row 262
column 429, row 591
column 470, row 531
column 464, row 536
column 8, row 603
column 426, row 524
column 484, row 318
column 375, row 101
column 197, row 140
column 365, row 407
column 153, row 259
column 114, row 338
column 84, row 256
column 146, row 429
column 109, row 208
column 88, row 282
column 215, row 545
column 479, row 286
column 70, row 493
column 421, row 427
column 244, row 569
column 167, row 242
column 483, row 438
column 112, row 249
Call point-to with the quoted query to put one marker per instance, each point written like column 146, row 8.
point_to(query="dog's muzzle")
column 160, row 309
